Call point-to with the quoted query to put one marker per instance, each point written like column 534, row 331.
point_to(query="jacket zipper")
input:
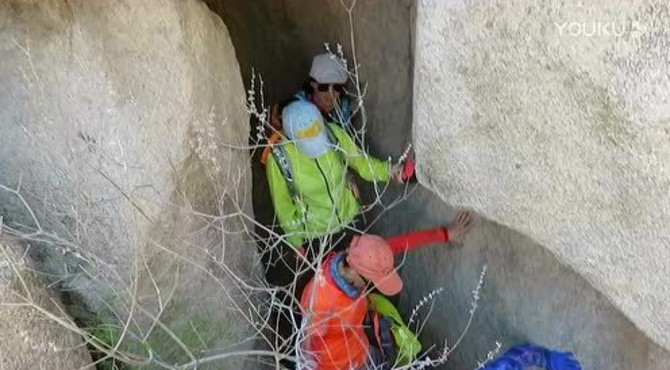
column 325, row 180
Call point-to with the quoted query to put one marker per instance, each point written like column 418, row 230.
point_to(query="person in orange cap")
column 334, row 302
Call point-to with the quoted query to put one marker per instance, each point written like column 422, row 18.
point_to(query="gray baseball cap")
column 328, row 69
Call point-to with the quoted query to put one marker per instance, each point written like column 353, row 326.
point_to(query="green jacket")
column 325, row 202
column 408, row 345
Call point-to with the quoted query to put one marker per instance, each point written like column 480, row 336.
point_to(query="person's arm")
column 288, row 213
column 407, row 242
column 368, row 167
column 461, row 226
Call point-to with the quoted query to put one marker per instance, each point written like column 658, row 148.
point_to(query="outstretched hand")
column 463, row 224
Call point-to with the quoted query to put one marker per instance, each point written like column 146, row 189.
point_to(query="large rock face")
column 528, row 296
column 30, row 339
column 117, row 129
column 552, row 119
column 547, row 119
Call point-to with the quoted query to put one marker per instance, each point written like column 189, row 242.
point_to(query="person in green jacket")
column 307, row 175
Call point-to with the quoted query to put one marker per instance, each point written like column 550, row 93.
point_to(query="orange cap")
column 372, row 257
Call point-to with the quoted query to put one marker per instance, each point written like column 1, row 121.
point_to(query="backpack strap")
column 405, row 344
column 273, row 133
column 382, row 330
column 284, row 164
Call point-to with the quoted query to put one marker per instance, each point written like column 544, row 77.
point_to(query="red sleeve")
column 407, row 242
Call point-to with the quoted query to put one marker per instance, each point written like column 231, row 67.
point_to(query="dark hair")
column 307, row 86
column 345, row 263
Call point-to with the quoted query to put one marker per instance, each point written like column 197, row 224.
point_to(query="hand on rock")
column 463, row 224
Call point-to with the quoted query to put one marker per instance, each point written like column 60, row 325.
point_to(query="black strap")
column 284, row 165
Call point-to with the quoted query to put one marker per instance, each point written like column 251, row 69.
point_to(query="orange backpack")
column 275, row 136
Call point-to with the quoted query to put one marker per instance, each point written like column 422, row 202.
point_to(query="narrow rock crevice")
column 529, row 295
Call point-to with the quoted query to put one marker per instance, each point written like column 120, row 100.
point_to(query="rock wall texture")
column 552, row 119
column 528, row 296
column 29, row 339
column 117, row 125
column 549, row 119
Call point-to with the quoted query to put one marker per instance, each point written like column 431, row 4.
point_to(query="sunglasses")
column 339, row 88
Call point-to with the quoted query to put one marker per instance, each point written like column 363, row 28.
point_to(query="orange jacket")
column 336, row 339
column 335, row 335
